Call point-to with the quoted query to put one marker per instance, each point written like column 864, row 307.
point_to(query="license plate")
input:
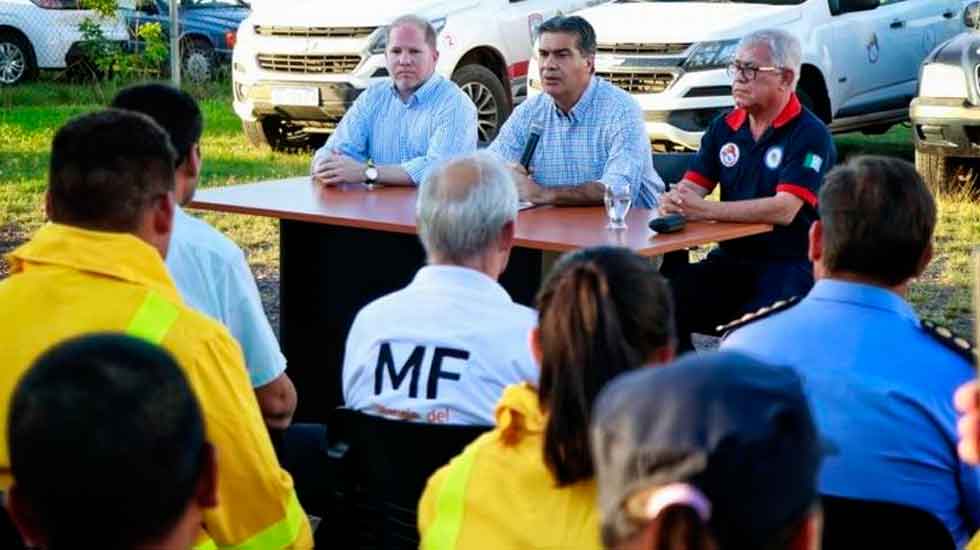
column 305, row 97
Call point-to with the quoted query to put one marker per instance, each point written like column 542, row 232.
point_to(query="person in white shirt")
column 442, row 349
column 209, row 269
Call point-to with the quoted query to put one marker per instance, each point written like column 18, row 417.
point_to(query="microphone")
column 534, row 136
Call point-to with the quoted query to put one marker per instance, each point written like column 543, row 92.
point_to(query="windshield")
column 769, row 2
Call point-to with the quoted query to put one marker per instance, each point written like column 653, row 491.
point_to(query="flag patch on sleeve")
column 813, row 162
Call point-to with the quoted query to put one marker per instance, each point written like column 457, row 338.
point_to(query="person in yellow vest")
column 97, row 267
column 529, row 482
column 146, row 463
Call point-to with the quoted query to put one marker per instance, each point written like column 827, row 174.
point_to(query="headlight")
column 939, row 80
column 379, row 38
column 711, row 55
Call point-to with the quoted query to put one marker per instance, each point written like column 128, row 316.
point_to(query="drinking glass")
column 618, row 197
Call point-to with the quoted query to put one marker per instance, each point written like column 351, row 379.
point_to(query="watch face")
column 371, row 174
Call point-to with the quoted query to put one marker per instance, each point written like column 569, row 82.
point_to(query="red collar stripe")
column 793, row 108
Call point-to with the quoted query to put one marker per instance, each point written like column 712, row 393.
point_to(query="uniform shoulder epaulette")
column 950, row 340
column 761, row 313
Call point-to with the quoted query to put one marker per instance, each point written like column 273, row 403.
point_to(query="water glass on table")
column 618, row 198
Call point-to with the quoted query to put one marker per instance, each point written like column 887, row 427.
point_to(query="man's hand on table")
column 683, row 199
column 338, row 169
column 528, row 189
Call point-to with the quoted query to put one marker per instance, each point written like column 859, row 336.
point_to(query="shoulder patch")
column 761, row 313
column 950, row 340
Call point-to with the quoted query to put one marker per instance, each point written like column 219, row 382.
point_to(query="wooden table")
column 341, row 248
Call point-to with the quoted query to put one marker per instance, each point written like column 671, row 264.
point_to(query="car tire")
column 17, row 61
column 934, row 169
column 198, row 61
column 488, row 94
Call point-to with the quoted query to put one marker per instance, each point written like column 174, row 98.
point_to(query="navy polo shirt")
column 792, row 156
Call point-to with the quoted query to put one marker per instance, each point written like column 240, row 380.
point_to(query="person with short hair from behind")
column 716, row 451
column 442, row 349
column 879, row 378
column 209, row 269
column 402, row 128
column 591, row 133
column 529, row 482
column 107, row 449
column 98, row 266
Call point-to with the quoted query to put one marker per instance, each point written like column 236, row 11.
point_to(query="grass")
column 30, row 114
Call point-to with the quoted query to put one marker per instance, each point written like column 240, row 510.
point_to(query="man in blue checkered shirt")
column 592, row 133
column 400, row 130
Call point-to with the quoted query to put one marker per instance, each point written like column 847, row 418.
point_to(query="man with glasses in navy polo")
column 769, row 156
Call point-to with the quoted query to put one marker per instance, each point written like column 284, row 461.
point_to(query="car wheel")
column 17, row 63
column 934, row 169
column 488, row 94
column 198, row 61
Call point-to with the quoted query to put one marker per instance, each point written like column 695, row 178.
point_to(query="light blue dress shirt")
column 601, row 139
column 437, row 123
column 881, row 389
column 213, row 277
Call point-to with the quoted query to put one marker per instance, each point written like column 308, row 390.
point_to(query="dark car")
column 207, row 30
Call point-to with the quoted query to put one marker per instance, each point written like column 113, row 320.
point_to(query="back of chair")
column 384, row 465
column 671, row 166
column 852, row 523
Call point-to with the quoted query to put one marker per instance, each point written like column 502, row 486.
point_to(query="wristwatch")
column 370, row 173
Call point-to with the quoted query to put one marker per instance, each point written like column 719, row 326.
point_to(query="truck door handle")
column 948, row 14
column 897, row 24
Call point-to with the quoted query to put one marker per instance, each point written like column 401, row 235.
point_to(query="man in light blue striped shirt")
column 592, row 133
column 399, row 130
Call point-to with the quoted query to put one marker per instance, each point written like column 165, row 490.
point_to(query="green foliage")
column 108, row 57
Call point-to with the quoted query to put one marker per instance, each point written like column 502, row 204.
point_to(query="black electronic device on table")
column 671, row 223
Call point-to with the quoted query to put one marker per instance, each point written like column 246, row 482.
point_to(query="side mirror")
column 148, row 7
column 971, row 16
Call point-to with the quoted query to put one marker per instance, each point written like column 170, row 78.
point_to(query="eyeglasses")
column 749, row 72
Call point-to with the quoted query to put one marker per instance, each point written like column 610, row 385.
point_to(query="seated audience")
column 591, row 132
column 769, row 156
column 529, row 482
column 713, row 452
column 209, row 269
column 400, row 129
column 443, row 349
column 98, row 266
column 878, row 377
column 108, row 450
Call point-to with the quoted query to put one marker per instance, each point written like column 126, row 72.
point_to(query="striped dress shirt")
column 602, row 139
column 437, row 122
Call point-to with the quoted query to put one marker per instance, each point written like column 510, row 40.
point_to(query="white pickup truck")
column 860, row 57
column 298, row 65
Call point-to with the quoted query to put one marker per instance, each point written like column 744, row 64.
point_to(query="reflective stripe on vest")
column 153, row 319
column 444, row 531
column 281, row 534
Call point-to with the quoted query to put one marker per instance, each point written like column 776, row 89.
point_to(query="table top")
column 393, row 209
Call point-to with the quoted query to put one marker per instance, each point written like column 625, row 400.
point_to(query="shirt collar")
column 423, row 93
column 442, row 276
column 862, row 294
column 519, row 412
column 584, row 104
column 118, row 255
column 793, row 108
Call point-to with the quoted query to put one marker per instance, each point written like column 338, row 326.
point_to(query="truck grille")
column 640, row 83
column 315, row 32
column 625, row 48
column 309, row 64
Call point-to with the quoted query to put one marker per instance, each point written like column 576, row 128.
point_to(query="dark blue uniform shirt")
column 792, row 156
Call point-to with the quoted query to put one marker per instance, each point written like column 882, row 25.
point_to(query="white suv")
column 43, row 34
column 860, row 57
column 297, row 69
